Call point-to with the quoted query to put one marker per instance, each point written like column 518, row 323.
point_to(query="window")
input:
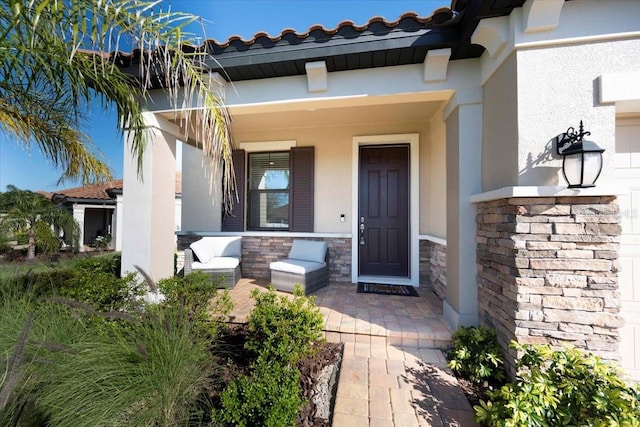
column 278, row 186
column 268, row 191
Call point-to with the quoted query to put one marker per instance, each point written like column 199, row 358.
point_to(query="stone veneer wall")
column 547, row 272
column 433, row 267
column 259, row 251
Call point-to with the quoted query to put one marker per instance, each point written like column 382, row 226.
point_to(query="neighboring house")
column 422, row 150
column 98, row 209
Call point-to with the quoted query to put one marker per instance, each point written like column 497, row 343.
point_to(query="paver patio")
column 393, row 371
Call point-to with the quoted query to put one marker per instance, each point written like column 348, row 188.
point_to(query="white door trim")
column 413, row 140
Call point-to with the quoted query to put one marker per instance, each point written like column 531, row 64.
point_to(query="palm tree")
column 59, row 56
column 35, row 215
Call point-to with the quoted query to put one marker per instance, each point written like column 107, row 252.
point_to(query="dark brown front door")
column 383, row 218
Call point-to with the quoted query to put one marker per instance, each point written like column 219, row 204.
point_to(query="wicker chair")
column 307, row 265
column 216, row 256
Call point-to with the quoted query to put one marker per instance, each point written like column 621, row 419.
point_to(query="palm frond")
column 44, row 50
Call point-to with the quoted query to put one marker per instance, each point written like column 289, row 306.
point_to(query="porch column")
column 148, row 208
column 117, row 223
column 78, row 215
column 463, row 118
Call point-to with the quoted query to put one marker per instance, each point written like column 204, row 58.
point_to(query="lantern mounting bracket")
column 570, row 137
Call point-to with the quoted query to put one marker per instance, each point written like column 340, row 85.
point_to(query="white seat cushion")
column 308, row 250
column 218, row 246
column 217, row 263
column 296, row 266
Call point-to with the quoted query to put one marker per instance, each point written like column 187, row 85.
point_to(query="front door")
column 383, row 217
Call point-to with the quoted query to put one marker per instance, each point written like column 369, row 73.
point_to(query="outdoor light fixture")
column 581, row 159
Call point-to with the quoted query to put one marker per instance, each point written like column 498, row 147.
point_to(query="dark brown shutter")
column 235, row 221
column 301, row 197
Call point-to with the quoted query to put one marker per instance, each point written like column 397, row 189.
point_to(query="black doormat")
column 376, row 288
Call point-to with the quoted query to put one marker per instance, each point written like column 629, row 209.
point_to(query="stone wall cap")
column 264, row 234
column 434, row 239
column 544, row 191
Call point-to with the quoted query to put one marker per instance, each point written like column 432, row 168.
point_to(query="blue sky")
column 222, row 19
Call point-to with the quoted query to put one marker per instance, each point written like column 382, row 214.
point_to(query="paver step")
column 440, row 341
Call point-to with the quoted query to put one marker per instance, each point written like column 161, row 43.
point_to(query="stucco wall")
column 433, row 179
column 453, row 208
column 201, row 210
column 499, row 128
column 557, row 89
column 333, row 145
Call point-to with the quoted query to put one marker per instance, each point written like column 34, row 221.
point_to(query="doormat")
column 376, row 288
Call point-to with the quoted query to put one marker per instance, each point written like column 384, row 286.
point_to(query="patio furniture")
column 306, row 265
column 217, row 256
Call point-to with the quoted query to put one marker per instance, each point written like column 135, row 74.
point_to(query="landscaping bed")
column 104, row 357
column 318, row 389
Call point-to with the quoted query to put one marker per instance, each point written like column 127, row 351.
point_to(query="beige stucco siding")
column 433, row 179
column 333, row 167
column 453, row 209
column 557, row 89
column 500, row 128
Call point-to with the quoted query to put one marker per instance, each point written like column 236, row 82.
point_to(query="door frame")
column 413, row 140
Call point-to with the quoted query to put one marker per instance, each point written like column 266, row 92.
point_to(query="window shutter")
column 235, row 221
column 301, row 198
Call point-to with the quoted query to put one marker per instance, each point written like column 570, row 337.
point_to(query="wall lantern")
column 581, row 159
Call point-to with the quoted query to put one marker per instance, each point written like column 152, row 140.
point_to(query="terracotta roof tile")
column 435, row 16
column 438, row 16
column 100, row 191
column 92, row 191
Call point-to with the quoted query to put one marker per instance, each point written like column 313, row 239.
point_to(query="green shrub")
column 103, row 263
column 44, row 282
column 196, row 297
column 476, row 355
column 104, row 291
column 93, row 280
column 270, row 396
column 561, row 388
column 282, row 329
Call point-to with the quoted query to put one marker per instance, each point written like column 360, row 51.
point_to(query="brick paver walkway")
column 393, row 372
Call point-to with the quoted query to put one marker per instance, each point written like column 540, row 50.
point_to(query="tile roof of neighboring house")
column 377, row 43
column 97, row 192
column 92, row 191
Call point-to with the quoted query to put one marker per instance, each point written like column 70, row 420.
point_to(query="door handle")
column 362, row 242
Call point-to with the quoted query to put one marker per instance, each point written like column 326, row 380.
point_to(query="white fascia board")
column 404, row 83
column 401, row 81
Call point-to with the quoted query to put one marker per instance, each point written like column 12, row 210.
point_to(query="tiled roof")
column 376, row 43
column 439, row 16
column 92, row 191
column 101, row 191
